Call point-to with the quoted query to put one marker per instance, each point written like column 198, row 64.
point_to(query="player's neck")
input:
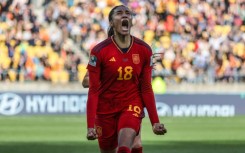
column 123, row 41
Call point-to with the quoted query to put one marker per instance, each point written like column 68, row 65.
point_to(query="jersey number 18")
column 125, row 73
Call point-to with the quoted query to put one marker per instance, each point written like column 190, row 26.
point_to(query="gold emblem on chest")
column 136, row 58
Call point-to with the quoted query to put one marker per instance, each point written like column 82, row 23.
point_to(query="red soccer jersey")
column 118, row 76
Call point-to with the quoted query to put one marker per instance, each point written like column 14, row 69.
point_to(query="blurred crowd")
column 194, row 41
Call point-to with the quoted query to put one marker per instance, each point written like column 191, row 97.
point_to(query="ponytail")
column 110, row 31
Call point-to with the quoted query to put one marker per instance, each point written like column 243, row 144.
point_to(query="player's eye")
column 128, row 13
column 119, row 12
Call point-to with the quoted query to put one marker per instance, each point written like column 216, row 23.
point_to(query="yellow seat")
column 81, row 76
column 54, row 77
column 12, row 75
column 21, row 76
column 81, row 67
column 81, row 72
column 165, row 41
column 64, row 77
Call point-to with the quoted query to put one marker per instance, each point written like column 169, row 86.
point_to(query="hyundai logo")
column 163, row 109
column 10, row 104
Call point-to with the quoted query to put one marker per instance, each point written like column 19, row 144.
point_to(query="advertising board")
column 180, row 105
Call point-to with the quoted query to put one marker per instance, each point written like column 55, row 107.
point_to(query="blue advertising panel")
column 42, row 103
column 199, row 105
column 196, row 105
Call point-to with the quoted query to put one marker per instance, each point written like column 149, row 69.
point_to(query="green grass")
column 67, row 134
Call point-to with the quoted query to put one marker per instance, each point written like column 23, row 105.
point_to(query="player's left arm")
column 148, row 95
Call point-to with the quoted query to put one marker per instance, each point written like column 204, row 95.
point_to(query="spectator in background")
column 158, row 85
column 184, row 28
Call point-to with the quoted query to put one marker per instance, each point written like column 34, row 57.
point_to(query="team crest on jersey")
column 92, row 60
column 136, row 58
column 99, row 131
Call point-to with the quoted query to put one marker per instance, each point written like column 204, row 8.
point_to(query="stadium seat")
column 54, row 77
column 64, row 77
column 81, row 71
column 12, row 75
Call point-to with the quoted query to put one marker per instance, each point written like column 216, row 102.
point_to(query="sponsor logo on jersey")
column 92, row 60
column 112, row 59
column 136, row 58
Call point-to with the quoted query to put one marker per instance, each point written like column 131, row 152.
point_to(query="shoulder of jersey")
column 102, row 45
column 142, row 43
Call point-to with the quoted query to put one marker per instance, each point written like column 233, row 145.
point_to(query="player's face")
column 122, row 20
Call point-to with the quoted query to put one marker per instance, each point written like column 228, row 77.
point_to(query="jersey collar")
column 114, row 42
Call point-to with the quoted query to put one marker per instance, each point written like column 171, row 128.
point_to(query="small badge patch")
column 136, row 58
column 99, row 131
column 92, row 60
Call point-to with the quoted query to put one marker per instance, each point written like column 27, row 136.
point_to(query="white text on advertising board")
column 183, row 110
column 56, row 104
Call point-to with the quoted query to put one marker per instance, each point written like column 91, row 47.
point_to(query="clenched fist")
column 159, row 129
column 91, row 134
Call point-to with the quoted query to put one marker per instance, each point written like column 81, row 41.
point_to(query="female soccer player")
column 137, row 145
column 119, row 71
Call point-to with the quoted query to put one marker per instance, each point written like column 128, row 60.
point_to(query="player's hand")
column 91, row 134
column 159, row 129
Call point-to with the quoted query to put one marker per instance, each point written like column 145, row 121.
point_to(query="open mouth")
column 125, row 24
